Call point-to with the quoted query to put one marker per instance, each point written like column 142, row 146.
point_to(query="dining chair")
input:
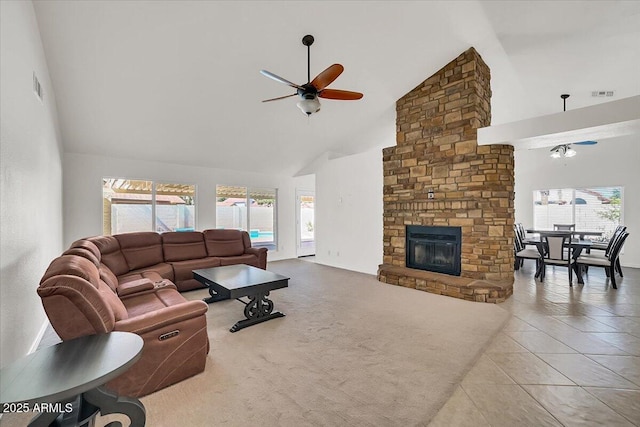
column 610, row 262
column 522, row 253
column 564, row 227
column 517, row 246
column 617, row 235
column 608, row 245
column 523, row 234
column 556, row 253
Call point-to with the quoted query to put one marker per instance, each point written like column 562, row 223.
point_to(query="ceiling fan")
column 316, row 88
column 565, row 150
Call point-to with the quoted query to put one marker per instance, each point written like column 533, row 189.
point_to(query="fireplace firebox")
column 434, row 248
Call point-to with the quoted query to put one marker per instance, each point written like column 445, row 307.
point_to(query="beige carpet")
column 351, row 351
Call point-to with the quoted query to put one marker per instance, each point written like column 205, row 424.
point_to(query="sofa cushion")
column 74, row 307
column 222, row 243
column 139, row 304
column 183, row 270
column 240, row 259
column 189, row 285
column 180, row 246
column 150, row 275
column 73, row 265
column 88, row 245
column 134, row 287
column 107, row 276
column 154, row 273
column 82, row 252
column 142, row 249
column 110, row 254
column 119, row 311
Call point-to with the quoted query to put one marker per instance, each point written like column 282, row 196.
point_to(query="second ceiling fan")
column 565, row 150
column 316, row 88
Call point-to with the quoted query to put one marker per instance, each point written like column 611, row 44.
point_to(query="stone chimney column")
column 471, row 186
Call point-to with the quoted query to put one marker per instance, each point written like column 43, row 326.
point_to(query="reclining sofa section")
column 130, row 282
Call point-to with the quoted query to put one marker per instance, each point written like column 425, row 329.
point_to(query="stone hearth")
column 437, row 175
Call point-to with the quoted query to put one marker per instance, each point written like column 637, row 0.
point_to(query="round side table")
column 51, row 379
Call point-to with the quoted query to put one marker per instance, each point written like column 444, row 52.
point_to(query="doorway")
column 305, row 223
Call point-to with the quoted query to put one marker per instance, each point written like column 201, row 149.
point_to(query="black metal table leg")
column 66, row 413
column 110, row 403
column 44, row 419
column 259, row 309
column 215, row 296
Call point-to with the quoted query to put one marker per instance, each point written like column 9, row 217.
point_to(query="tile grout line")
column 605, row 404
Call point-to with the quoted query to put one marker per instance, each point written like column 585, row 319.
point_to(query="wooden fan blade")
column 345, row 95
column 325, row 78
column 280, row 97
column 279, row 79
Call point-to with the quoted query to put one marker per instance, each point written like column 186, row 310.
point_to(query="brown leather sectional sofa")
column 130, row 282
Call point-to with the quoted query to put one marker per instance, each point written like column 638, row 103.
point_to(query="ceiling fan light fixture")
column 563, row 150
column 309, row 106
column 569, row 152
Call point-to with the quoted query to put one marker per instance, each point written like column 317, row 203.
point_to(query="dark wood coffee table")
column 237, row 281
column 65, row 382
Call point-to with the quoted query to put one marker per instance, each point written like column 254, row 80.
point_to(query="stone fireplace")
column 438, row 177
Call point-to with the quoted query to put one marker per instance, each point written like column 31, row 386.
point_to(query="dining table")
column 576, row 245
column 579, row 233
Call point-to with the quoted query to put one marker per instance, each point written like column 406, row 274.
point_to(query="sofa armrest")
column 165, row 283
column 255, row 251
column 134, row 286
column 163, row 317
column 260, row 253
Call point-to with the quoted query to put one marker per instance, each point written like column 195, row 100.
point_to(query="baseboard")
column 629, row 265
column 36, row 342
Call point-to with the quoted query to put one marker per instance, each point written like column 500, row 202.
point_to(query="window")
column 175, row 207
column 248, row 209
column 137, row 205
column 593, row 209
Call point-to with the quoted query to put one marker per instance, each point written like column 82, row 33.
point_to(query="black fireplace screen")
column 434, row 248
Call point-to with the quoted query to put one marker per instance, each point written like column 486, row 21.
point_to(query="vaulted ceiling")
column 179, row 81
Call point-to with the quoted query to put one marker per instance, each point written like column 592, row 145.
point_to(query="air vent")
column 37, row 88
column 601, row 93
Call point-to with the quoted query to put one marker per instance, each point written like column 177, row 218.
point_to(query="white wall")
column 349, row 212
column 31, row 183
column 83, row 193
column 613, row 162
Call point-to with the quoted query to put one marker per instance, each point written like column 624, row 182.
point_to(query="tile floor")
column 567, row 357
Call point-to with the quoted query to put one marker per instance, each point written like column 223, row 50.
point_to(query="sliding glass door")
column 305, row 223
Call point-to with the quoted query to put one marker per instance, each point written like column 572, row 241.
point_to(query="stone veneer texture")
column 472, row 185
